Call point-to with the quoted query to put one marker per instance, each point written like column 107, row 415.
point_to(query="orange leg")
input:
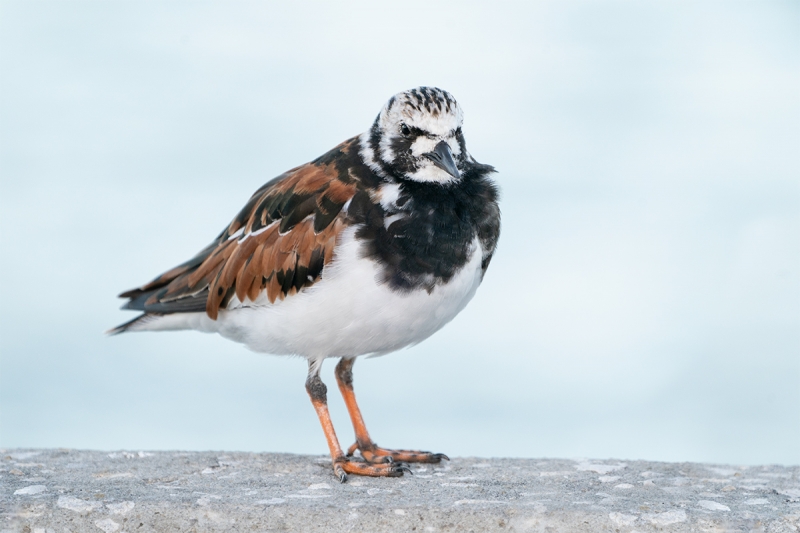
column 370, row 451
column 342, row 465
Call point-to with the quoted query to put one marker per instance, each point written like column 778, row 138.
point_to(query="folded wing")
column 277, row 245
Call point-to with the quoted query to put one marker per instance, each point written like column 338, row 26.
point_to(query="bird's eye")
column 404, row 130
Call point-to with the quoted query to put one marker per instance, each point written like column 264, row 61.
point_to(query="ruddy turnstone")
column 369, row 248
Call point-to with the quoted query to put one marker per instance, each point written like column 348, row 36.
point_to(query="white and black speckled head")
column 417, row 136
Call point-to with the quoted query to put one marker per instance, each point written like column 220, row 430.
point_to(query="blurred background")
column 644, row 302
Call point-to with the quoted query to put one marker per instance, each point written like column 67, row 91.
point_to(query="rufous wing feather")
column 277, row 245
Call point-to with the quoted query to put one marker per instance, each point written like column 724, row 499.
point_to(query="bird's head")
column 417, row 136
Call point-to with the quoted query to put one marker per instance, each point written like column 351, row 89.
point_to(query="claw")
column 340, row 473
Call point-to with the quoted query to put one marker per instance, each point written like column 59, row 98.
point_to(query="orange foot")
column 374, row 454
column 348, row 465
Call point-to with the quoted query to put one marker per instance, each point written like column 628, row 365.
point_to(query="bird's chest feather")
column 418, row 240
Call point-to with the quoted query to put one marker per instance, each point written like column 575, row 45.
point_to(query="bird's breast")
column 419, row 247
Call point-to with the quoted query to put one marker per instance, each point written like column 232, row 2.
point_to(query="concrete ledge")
column 44, row 491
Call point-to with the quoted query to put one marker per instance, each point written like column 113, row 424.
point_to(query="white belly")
column 345, row 314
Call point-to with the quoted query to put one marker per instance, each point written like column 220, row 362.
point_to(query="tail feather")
column 195, row 302
column 131, row 325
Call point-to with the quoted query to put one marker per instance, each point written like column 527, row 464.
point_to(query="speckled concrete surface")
column 44, row 491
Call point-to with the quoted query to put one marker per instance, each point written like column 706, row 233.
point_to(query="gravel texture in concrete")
column 55, row 491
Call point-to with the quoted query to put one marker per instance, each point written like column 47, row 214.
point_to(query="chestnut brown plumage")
column 278, row 244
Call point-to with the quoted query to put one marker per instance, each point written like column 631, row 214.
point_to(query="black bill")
column 442, row 157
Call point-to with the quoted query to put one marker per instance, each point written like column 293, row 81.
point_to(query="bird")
column 370, row 248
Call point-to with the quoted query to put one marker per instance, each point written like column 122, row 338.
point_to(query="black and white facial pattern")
column 417, row 136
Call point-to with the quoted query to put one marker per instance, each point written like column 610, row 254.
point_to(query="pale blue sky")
column 644, row 302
